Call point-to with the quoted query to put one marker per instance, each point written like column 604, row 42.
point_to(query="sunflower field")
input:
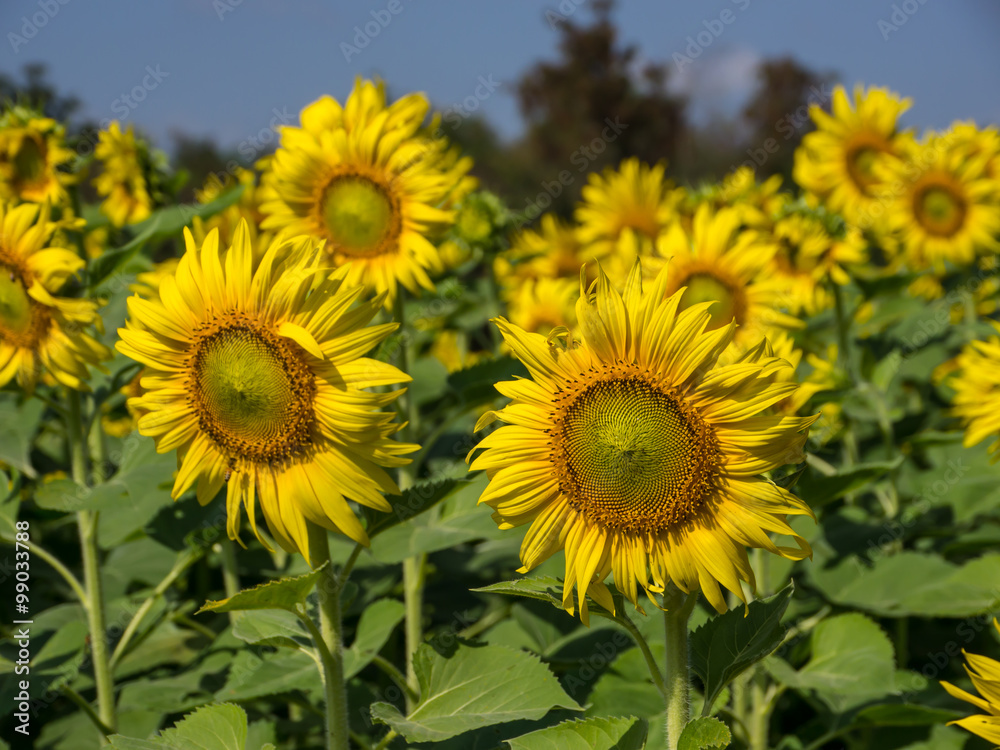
column 348, row 454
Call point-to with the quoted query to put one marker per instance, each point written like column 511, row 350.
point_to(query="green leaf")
column 913, row 584
column 474, row 687
column 547, row 589
column 163, row 223
column 374, row 628
column 412, row 502
column 727, row 645
column 18, row 424
column 616, row 733
column 903, row 715
column 286, row 593
column 817, row 489
column 851, row 664
column 478, row 383
column 270, row 627
column 222, row 726
column 703, row 733
column 253, row 676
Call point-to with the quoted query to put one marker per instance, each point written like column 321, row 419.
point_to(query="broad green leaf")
column 942, row 738
column 818, row 490
column 851, row 664
column 474, row 687
column 374, row 628
column 705, row 733
column 18, row 424
column 270, row 627
column 903, row 715
column 286, row 593
column 412, row 502
column 727, row 645
column 459, row 520
column 547, row 589
column 478, row 383
column 163, row 223
column 913, row 584
column 220, row 726
column 259, row 675
column 598, row 733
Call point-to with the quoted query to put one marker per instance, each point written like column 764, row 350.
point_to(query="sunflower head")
column 838, row 161
column 637, row 453
column 33, row 157
column 976, row 381
column 42, row 335
column 371, row 182
column 126, row 163
column 541, row 305
column 255, row 374
column 247, row 208
column 985, row 675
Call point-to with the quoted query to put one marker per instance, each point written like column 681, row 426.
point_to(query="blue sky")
column 230, row 68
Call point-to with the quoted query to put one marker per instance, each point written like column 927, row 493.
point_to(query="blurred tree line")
column 591, row 107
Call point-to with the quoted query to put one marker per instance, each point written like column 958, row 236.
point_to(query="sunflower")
column 123, row 181
column 720, row 262
column 33, row 155
column 624, row 211
column 942, row 203
column 553, row 250
column 637, row 453
column 837, row 161
column 256, row 377
column 976, row 381
column 809, row 256
column 366, row 178
column 451, row 349
column 756, row 202
column 226, row 221
column 42, row 334
column 541, row 305
column 985, row 675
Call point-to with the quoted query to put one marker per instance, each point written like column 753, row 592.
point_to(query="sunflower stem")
column 230, row 572
column 87, row 521
column 413, row 567
column 647, row 654
column 677, row 610
column 330, row 643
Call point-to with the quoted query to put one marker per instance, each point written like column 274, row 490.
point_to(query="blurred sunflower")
column 756, row 202
column 551, row 251
column 540, row 305
column 837, row 161
column 366, row 178
column 623, row 211
column 33, row 153
column 226, row 221
column 734, row 268
column 451, row 349
column 636, row 453
column 985, row 675
column 256, row 377
column 976, row 381
column 122, row 181
column 942, row 203
column 808, row 256
column 42, row 335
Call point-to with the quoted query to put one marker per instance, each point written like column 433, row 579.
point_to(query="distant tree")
column 34, row 89
column 591, row 108
column 198, row 157
column 778, row 111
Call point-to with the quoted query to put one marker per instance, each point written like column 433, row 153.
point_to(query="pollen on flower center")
column 633, row 456
column 360, row 216
column 23, row 322
column 251, row 390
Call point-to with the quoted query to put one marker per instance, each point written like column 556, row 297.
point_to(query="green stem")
column 678, row 607
column 654, row 668
column 88, row 525
column 329, row 640
column 87, row 709
column 59, row 568
column 230, row 572
column 843, row 334
column 395, row 675
column 413, row 567
column 386, row 740
column 183, row 563
column 759, row 715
